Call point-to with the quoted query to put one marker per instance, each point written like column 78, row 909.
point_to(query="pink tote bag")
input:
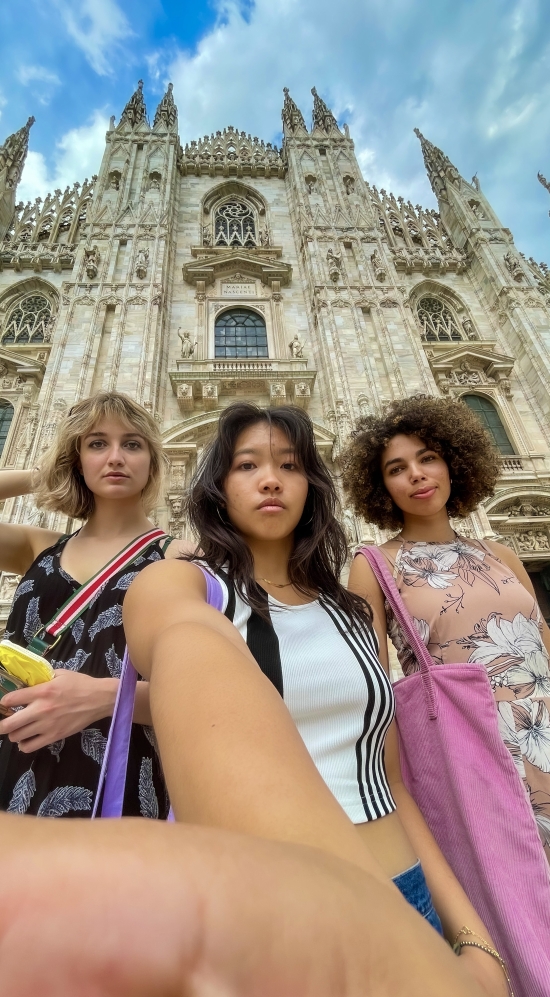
column 463, row 778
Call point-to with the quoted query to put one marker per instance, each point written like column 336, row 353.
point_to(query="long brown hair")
column 320, row 548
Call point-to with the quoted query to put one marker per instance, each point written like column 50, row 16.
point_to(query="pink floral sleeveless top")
column 467, row 605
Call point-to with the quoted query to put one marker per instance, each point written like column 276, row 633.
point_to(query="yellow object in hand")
column 25, row 665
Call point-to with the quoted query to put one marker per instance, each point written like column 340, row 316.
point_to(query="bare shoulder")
column 41, row 539
column 163, row 579
column 363, row 581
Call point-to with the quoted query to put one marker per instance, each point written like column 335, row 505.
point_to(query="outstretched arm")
column 450, row 900
column 231, row 753
column 135, row 908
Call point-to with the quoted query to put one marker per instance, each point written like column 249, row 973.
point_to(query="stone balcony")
column 518, row 468
column 201, row 384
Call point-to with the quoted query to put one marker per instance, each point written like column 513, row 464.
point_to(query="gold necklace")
column 276, row 584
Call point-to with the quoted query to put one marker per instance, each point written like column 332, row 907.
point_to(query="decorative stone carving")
column 277, row 393
column 334, row 261
column 231, row 151
column 210, row 395
column 155, row 179
column 322, row 116
column 142, row 263
column 380, row 271
column 167, row 112
column 291, row 114
column 388, row 303
column 302, row 394
column 468, row 374
column 91, row 262
column 478, row 210
column 349, row 525
column 349, row 184
column 135, row 111
column 437, row 321
column 526, row 510
column 187, row 347
column 296, row 348
column 439, row 168
column 310, row 182
column 14, row 153
column 468, row 327
column 8, row 585
column 364, row 406
column 114, row 179
column 514, row 267
column 206, row 236
column 341, row 426
column 58, row 412
column 185, row 397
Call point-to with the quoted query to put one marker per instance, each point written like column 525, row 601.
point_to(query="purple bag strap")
column 384, row 577
column 115, row 758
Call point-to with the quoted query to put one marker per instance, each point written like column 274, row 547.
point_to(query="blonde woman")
column 105, row 468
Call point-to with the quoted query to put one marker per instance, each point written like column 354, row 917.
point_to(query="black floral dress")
column 61, row 780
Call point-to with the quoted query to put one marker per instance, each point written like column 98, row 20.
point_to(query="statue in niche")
column 514, row 267
column 154, row 180
column 296, row 349
column 114, row 180
column 206, row 236
column 350, row 527
column 142, row 262
column 468, row 327
column 264, row 238
column 349, row 184
column 187, row 347
column 310, row 182
column 91, row 262
column 334, row 261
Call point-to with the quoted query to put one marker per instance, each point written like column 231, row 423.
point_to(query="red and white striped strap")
column 80, row 599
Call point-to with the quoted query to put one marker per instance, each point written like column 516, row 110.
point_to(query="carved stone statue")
column 514, row 267
column 264, row 238
column 349, row 184
column 334, row 261
column 350, row 526
column 154, row 180
column 187, row 347
column 468, row 327
column 114, row 180
column 380, row 271
column 206, row 236
column 91, row 262
column 310, row 182
column 296, row 349
column 142, row 263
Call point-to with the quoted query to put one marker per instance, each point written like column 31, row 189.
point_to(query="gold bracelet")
column 484, row 947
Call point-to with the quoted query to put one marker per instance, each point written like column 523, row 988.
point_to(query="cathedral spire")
column 322, row 116
column 135, row 111
column 439, row 168
column 167, row 111
column 13, row 155
column 291, row 113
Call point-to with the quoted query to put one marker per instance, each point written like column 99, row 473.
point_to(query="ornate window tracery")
column 235, row 224
column 29, row 321
column 488, row 415
column 437, row 321
column 6, row 415
column 240, row 333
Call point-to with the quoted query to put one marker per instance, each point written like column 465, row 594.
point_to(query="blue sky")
column 473, row 75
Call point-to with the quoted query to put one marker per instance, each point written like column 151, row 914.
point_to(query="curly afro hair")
column 445, row 425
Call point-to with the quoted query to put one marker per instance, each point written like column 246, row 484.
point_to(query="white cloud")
column 41, row 81
column 98, row 27
column 77, row 155
column 475, row 81
column 29, row 74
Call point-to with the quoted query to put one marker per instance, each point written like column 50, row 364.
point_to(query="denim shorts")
column 412, row 884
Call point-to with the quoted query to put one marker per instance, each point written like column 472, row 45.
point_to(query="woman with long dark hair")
column 263, row 508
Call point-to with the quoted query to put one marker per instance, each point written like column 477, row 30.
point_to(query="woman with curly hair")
column 425, row 460
column 471, row 601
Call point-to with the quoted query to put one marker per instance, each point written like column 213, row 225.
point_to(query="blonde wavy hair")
column 61, row 487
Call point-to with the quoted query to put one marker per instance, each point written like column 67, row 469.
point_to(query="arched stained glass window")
column 234, row 224
column 6, row 415
column 29, row 321
column 487, row 413
column 240, row 333
column 437, row 321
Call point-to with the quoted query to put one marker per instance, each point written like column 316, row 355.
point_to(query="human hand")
column 134, row 908
column 57, row 709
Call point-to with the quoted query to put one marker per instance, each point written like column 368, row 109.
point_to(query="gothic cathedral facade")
column 190, row 277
